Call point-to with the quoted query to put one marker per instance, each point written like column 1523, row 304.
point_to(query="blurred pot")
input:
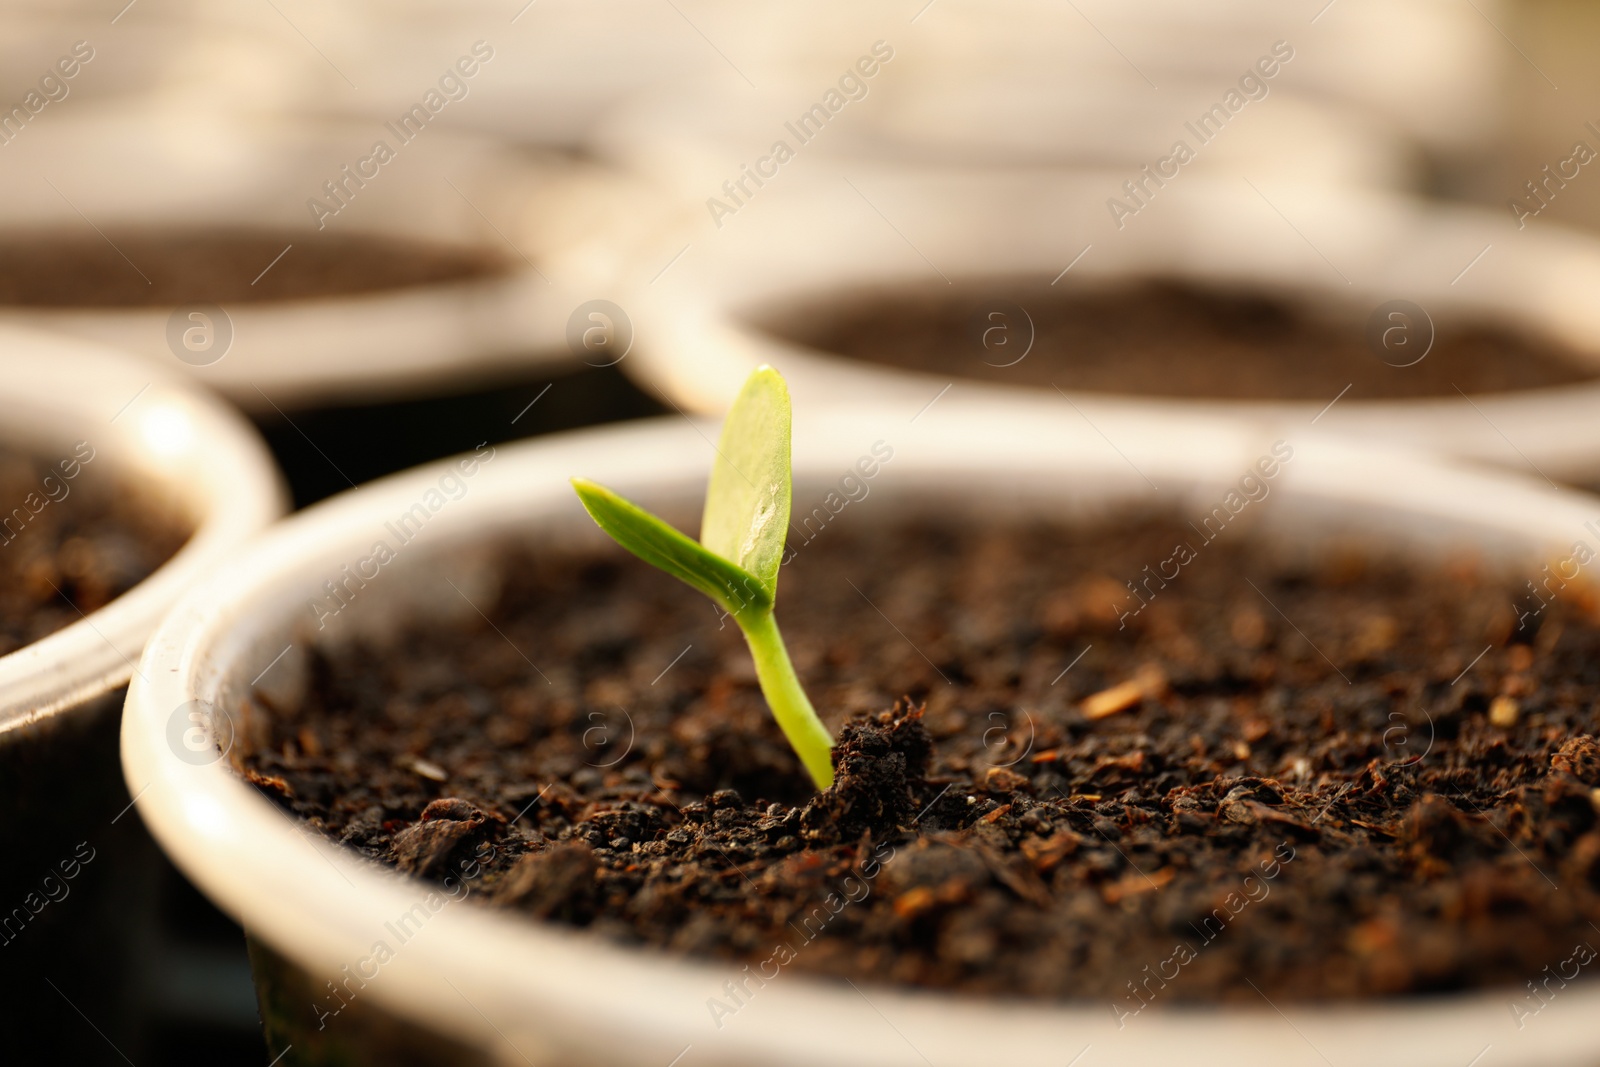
column 1431, row 69
column 152, row 48
column 894, row 228
column 695, row 137
column 77, row 877
column 1356, row 93
column 538, row 226
column 1562, row 34
column 475, row 986
column 558, row 65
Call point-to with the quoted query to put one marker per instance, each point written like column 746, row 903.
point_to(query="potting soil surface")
column 154, row 268
column 1344, row 779
column 70, row 545
column 1176, row 340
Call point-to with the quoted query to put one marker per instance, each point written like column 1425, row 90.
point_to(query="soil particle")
column 555, row 883
column 1579, row 757
column 878, row 767
column 442, row 836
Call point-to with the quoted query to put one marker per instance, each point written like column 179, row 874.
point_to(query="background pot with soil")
column 118, row 487
column 1425, row 325
column 404, row 257
column 498, row 707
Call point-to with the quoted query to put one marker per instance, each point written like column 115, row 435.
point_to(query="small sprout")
column 736, row 560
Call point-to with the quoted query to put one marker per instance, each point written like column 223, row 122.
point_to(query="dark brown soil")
column 1414, row 812
column 70, row 545
column 1170, row 340
column 143, row 268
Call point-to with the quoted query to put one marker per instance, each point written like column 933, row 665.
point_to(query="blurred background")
column 388, row 231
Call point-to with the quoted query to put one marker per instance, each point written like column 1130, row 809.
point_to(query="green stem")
column 790, row 706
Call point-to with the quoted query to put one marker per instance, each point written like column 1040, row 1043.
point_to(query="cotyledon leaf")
column 746, row 518
column 658, row 544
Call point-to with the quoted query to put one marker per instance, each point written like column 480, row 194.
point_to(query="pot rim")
column 159, row 433
column 525, row 991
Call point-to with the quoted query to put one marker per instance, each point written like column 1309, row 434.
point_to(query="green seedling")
column 736, row 560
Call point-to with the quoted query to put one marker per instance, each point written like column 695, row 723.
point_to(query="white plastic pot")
column 236, row 60
column 812, row 237
column 170, row 441
column 494, row 988
column 558, row 65
column 546, row 217
column 695, row 137
column 154, row 437
column 1430, row 67
column 1367, row 88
